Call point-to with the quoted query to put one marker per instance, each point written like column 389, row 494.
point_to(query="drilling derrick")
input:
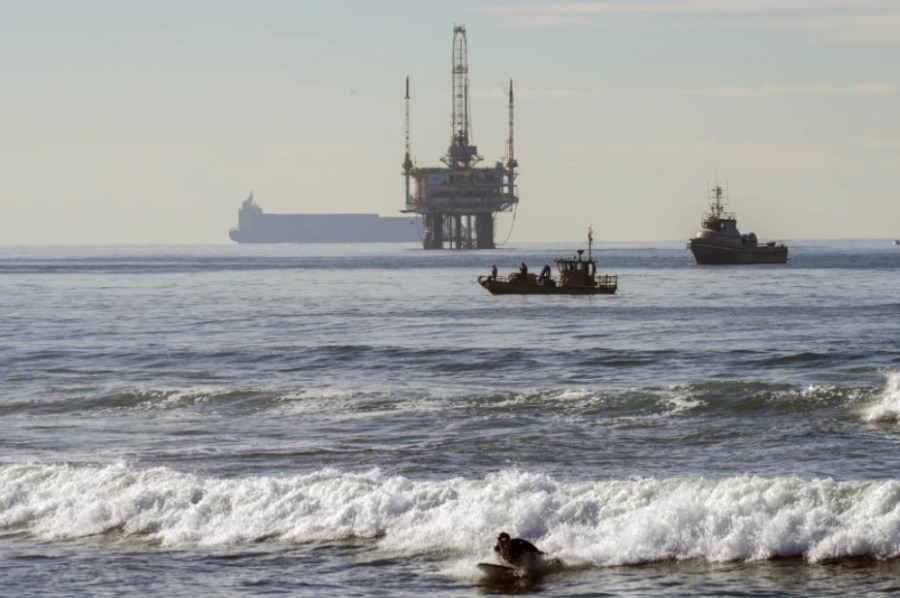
column 458, row 202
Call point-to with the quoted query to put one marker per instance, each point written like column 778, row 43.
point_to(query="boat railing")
column 607, row 280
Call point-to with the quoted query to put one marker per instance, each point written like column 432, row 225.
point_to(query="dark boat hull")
column 715, row 255
column 500, row 287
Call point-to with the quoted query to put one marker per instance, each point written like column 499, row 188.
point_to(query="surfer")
column 517, row 552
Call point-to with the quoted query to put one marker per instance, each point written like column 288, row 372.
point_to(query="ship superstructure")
column 458, row 202
column 720, row 242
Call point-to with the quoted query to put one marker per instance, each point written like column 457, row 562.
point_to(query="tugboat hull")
column 712, row 255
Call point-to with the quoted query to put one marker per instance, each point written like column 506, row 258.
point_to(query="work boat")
column 720, row 242
column 577, row 276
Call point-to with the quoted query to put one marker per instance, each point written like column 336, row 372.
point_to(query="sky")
column 145, row 122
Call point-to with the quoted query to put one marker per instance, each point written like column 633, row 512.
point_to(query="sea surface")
column 363, row 420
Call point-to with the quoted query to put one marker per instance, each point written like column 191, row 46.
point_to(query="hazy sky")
column 127, row 121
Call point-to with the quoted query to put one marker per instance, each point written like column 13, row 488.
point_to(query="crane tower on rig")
column 458, row 202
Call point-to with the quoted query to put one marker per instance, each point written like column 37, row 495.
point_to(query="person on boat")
column 517, row 552
column 544, row 277
column 523, row 273
column 494, row 272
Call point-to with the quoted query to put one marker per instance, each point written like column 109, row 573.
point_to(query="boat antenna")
column 717, row 207
column 590, row 240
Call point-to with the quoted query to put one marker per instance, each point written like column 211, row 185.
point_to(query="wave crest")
column 595, row 523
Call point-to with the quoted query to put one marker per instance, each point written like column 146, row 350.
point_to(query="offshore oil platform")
column 459, row 201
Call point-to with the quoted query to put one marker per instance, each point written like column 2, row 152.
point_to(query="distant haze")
column 150, row 122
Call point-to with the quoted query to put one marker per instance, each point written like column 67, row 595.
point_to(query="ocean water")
column 309, row 420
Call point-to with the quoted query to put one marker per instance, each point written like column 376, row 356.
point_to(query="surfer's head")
column 503, row 542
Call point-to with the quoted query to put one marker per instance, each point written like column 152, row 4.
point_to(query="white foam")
column 819, row 391
column 594, row 523
column 887, row 407
column 682, row 401
column 572, row 394
column 155, row 398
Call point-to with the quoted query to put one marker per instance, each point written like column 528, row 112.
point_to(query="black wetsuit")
column 517, row 552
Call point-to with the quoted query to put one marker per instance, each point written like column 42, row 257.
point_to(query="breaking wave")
column 587, row 524
column 887, row 408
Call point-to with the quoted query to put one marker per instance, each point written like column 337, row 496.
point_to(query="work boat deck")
column 577, row 276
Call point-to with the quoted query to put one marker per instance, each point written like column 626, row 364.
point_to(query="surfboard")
column 500, row 572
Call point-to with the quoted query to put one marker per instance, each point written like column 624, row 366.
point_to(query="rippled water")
column 363, row 420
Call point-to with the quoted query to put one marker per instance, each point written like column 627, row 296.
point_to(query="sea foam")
column 592, row 523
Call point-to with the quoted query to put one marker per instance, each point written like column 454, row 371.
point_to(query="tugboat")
column 720, row 242
column 577, row 276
